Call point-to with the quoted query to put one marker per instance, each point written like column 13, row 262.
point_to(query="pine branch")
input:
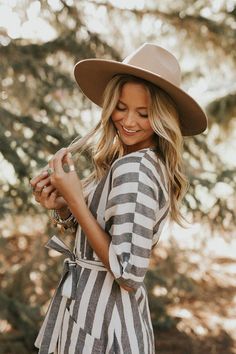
column 28, row 121
column 10, row 154
column 220, row 33
column 223, row 109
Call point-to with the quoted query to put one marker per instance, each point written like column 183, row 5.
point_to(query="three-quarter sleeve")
column 136, row 206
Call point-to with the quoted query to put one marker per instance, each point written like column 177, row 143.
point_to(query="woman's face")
column 131, row 113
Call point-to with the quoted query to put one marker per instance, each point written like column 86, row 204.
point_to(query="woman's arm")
column 69, row 186
column 97, row 237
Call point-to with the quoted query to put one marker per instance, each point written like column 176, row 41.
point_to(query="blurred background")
column 192, row 276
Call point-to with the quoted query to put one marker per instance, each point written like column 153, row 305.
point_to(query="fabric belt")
column 47, row 338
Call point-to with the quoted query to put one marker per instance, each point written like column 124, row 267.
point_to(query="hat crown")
column 157, row 60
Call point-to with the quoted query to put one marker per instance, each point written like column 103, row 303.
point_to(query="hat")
column 149, row 62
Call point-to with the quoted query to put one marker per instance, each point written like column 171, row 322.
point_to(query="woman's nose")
column 129, row 120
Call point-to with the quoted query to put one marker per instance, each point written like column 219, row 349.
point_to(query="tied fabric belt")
column 47, row 338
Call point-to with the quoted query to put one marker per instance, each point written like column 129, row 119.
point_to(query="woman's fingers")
column 37, row 197
column 41, row 184
column 55, row 201
column 56, row 162
column 48, row 197
column 38, row 178
column 37, row 183
column 70, row 162
column 46, row 191
column 52, row 197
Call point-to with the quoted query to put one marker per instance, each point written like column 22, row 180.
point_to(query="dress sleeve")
column 134, row 209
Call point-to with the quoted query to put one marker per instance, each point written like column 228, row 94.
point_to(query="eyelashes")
column 123, row 109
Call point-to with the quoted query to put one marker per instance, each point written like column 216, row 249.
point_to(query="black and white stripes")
column 131, row 203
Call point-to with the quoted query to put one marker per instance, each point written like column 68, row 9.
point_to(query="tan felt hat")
column 149, row 62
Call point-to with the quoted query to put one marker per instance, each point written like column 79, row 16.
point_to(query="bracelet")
column 70, row 222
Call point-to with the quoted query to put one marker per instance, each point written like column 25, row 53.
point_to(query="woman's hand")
column 66, row 183
column 45, row 193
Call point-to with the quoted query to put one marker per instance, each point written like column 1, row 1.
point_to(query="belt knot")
column 69, row 279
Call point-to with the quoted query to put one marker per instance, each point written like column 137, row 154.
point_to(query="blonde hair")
column 164, row 120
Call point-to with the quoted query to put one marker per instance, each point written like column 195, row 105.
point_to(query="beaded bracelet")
column 68, row 223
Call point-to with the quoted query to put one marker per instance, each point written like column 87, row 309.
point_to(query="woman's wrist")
column 63, row 218
column 63, row 212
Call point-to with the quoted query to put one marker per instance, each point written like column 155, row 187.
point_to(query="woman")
column 101, row 304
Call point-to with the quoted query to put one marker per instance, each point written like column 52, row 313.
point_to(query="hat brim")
column 93, row 75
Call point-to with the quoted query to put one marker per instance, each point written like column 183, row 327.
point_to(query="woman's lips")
column 128, row 133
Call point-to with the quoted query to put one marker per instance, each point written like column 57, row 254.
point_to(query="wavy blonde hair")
column 105, row 145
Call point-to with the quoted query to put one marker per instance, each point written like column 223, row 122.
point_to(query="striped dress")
column 90, row 313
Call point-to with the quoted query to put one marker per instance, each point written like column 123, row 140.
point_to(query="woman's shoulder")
column 146, row 164
column 145, row 158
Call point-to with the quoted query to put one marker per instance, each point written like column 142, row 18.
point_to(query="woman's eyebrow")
column 137, row 107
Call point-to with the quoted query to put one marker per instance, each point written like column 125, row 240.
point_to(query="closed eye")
column 143, row 115
column 120, row 108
